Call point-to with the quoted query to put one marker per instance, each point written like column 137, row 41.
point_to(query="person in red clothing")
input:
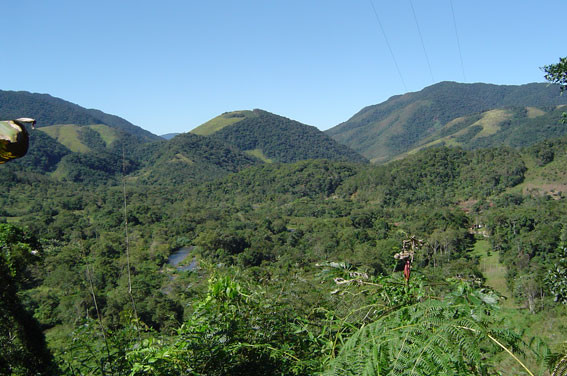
column 407, row 270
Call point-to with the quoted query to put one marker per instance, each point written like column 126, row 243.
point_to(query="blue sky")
column 169, row 66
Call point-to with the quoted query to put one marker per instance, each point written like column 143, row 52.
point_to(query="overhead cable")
column 458, row 43
column 389, row 47
column 422, row 43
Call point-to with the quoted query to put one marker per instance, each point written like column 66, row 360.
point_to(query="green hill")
column 168, row 136
column 274, row 138
column 82, row 139
column 48, row 110
column 189, row 158
column 454, row 114
column 313, row 240
column 221, row 121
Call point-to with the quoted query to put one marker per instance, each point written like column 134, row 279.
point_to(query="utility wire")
column 458, row 43
column 422, row 43
column 126, row 231
column 91, row 285
column 388, row 44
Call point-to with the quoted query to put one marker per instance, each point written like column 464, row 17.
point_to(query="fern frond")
column 427, row 338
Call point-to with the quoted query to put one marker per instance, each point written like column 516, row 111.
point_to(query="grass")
column 221, row 121
column 534, row 112
column 107, row 134
column 183, row 158
column 493, row 271
column 550, row 324
column 550, row 179
column 490, row 122
column 67, row 135
column 258, row 153
column 13, row 219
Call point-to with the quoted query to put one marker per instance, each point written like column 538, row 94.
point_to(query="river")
column 178, row 256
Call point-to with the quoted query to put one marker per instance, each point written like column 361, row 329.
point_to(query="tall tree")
column 557, row 73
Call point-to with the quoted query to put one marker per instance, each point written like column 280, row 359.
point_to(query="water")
column 176, row 257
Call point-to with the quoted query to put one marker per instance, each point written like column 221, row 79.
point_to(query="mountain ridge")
column 49, row 110
column 387, row 130
column 275, row 138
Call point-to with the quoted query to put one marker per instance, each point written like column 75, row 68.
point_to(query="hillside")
column 221, row 121
column 168, row 136
column 283, row 253
column 454, row 114
column 82, row 139
column 93, row 155
column 48, row 110
column 274, row 138
column 189, row 158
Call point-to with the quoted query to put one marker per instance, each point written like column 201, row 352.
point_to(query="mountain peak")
column 49, row 110
column 454, row 114
column 221, row 121
column 271, row 137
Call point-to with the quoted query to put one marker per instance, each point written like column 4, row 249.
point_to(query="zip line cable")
column 458, row 42
column 389, row 47
column 422, row 43
column 91, row 286
column 126, row 230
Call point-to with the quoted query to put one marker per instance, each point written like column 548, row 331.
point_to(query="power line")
column 458, row 43
column 388, row 44
column 126, row 231
column 422, row 44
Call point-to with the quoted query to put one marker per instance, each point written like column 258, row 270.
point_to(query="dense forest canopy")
column 450, row 261
column 50, row 111
column 454, row 114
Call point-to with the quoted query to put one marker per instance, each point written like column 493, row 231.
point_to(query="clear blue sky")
column 169, row 66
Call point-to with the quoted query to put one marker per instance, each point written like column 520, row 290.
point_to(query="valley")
column 289, row 241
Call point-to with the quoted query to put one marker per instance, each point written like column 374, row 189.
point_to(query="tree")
column 23, row 350
column 557, row 73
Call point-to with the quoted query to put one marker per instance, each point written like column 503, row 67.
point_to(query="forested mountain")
column 274, row 138
column 296, row 259
column 48, row 110
column 100, row 155
column 209, row 261
column 81, row 145
column 189, row 158
column 454, row 114
column 76, row 144
column 291, row 265
column 168, row 136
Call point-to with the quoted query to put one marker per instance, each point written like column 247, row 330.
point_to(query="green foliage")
column 283, row 140
column 273, row 233
column 557, row 73
column 91, row 138
column 93, row 167
column 95, row 350
column 222, row 121
column 43, row 156
column 311, row 179
column 18, row 250
column 189, row 158
column 48, row 110
column 447, row 112
column 556, row 278
column 449, row 337
column 439, row 175
column 22, row 345
column 232, row 331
